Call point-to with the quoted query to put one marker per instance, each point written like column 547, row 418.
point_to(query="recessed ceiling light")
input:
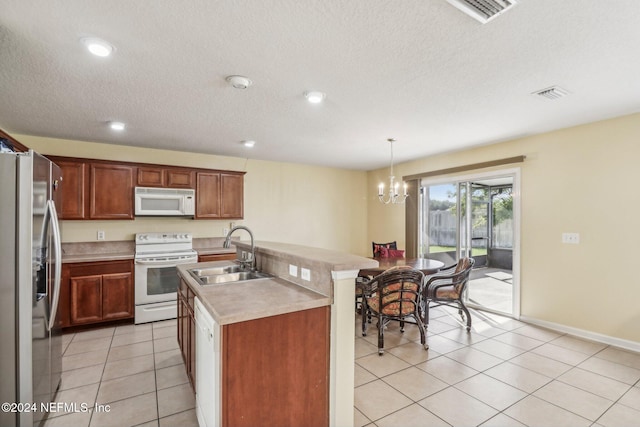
column 239, row 82
column 117, row 126
column 315, row 97
column 249, row 143
column 97, row 46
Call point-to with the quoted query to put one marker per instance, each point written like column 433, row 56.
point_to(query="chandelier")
column 393, row 196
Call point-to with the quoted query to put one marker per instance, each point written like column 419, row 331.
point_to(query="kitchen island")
column 289, row 331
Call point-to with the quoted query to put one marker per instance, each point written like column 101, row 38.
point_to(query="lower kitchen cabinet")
column 96, row 292
column 273, row 369
column 217, row 257
column 276, row 370
column 187, row 331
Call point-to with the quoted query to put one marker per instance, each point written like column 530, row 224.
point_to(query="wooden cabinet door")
column 232, row 196
column 286, row 382
column 111, row 191
column 117, row 296
column 96, row 292
column 177, row 178
column 208, row 195
column 151, row 177
column 219, row 195
column 86, row 299
column 164, row 177
column 73, row 189
column 186, row 344
column 191, row 371
column 180, row 315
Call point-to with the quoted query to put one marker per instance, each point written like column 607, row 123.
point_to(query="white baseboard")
column 581, row 333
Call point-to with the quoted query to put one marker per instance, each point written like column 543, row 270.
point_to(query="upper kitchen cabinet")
column 95, row 189
column 219, row 195
column 102, row 189
column 164, row 177
column 73, row 189
column 111, row 191
column 17, row 146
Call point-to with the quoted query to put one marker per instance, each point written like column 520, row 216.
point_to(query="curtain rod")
column 499, row 162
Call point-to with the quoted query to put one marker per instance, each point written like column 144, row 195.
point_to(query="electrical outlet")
column 100, row 235
column 225, row 231
column 572, row 238
column 305, row 274
column 293, row 270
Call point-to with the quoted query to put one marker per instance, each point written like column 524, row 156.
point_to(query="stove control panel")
column 156, row 238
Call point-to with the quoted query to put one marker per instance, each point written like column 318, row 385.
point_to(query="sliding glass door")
column 473, row 217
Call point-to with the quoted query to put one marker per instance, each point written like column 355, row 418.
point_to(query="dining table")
column 426, row 265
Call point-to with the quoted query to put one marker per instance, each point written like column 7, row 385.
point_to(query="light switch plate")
column 305, row 274
column 293, row 270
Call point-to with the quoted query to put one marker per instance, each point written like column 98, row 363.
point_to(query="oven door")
column 157, row 277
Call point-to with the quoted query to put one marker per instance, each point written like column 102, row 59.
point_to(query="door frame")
column 517, row 209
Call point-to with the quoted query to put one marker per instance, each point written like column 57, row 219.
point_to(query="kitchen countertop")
column 98, row 251
column 125, row 249
column 252, row 299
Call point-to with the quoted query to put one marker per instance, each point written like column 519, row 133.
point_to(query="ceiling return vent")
column 483, row 10
column 553, row 92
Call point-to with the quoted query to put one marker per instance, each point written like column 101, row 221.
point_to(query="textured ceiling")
column 420, row 71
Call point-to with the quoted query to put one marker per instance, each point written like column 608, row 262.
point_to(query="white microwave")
column 151, row 201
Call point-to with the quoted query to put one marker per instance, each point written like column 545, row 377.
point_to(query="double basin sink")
column 225, row 274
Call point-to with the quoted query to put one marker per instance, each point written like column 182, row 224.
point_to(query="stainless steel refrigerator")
column 30, row 267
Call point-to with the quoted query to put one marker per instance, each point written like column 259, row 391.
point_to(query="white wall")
column 284, row 202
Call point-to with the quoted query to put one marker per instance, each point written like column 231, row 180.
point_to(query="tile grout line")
column 104, row 366
column 502, row 361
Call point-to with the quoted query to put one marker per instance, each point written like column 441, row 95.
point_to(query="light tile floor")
column 136, row 370
column 503, row 373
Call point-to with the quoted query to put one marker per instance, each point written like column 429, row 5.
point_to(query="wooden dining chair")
column 396, row 295
column 447, row 287
column 379, row 248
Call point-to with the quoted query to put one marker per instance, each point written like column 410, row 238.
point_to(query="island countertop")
column 325, row 258
column 251, row 299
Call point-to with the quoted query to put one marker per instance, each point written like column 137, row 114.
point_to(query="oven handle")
column 156, row 261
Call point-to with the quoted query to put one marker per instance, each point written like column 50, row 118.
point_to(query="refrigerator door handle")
column 51, row 207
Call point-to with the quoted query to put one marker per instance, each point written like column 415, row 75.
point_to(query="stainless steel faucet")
column 251, row 262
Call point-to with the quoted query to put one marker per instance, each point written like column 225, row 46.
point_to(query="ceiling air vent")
column 553, row 92
column 483, row 10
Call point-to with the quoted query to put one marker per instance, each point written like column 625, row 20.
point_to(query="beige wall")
column 582, row 180
column 284, row 202
column 573, row 180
